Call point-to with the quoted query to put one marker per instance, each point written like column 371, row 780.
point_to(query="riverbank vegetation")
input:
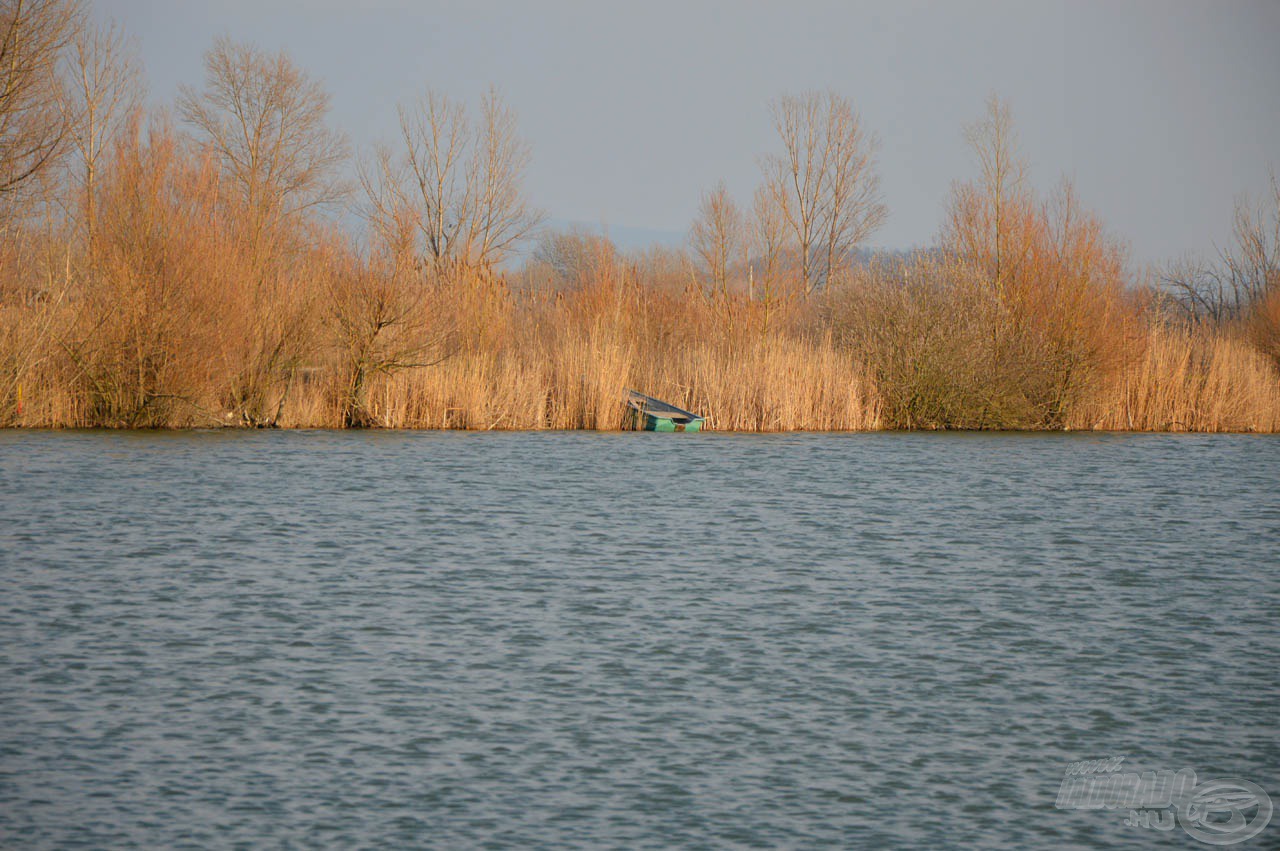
column 231, row 262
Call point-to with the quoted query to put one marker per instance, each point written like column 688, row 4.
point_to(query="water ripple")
column 578, row 640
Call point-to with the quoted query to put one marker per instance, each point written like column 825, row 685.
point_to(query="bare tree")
column 383, row 325
column 438, row 200
column 988, row 219
column 794, row 180
column 265, row 119
column 716, row 236
column 1247, row 273
column 265, row 122
column 824, row 182
column 33, row 125
column 453, row 195
column 1196, row 292
column 573, row 258
column 104, row 86
column 1253, row 268
column 854, row 209
column 503, row 218
column 768, row 238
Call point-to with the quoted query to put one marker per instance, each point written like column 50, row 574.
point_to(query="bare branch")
column 457, row 185
column 104, row 87
column 33, row 124
column 266, row 120
column 824, row 183
column 716, row 235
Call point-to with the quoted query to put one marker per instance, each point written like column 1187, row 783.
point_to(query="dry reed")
column 1187, row 380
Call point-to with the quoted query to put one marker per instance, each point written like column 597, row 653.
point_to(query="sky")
column 1162, row 113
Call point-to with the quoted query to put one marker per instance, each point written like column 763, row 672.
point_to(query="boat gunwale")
column 652, row 407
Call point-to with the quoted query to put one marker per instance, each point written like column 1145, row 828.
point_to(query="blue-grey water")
column 574, row 640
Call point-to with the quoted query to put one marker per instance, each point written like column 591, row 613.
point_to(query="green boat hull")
column 649, row 422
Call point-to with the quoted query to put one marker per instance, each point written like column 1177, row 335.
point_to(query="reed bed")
column 322, row 337
column 564, row 378
column 565, row 363
column 1187, row 380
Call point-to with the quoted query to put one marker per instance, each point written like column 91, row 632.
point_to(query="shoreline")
column 247, row 429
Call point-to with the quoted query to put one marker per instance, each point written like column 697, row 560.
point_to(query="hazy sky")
column 1162, row 112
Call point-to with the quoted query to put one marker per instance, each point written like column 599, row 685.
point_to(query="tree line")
column 190, row 266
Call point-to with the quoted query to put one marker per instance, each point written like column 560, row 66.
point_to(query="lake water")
column 576, row 640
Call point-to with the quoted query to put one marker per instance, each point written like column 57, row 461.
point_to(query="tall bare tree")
column 104, row 85
column 824, row 181
column 768, row 240
column 988, row 219
column 794, row 179
column 503, row 218
column 453, row 195
column 33, row 125
column 854, row 210
column 716, row 236
column 266, row 120
column 436, row 138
